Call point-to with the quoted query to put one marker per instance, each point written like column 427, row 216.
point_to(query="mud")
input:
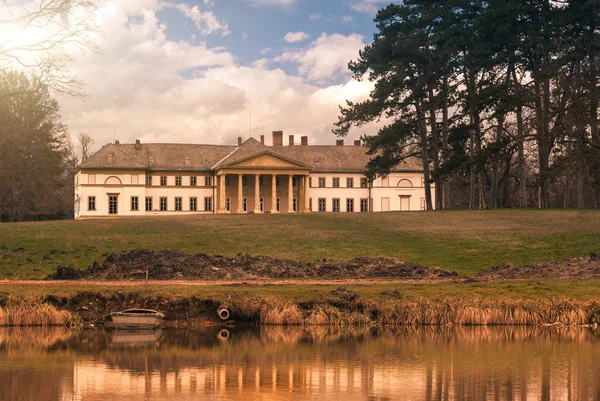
column 172, row 264
column 573, row 268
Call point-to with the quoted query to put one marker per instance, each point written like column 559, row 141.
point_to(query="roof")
column 188, row 157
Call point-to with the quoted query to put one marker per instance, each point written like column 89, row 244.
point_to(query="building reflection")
column 278, row 363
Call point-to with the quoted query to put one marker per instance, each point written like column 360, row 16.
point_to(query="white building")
column 179, row 179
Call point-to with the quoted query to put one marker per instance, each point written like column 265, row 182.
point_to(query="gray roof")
column 186, row 157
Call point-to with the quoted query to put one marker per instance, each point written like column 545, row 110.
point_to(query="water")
column 274, row 363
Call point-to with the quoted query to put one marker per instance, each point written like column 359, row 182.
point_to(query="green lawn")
column 464, row 241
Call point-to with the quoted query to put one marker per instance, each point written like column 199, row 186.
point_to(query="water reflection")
column 275, row 363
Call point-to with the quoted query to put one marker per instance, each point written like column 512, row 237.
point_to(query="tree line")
column 499, row 98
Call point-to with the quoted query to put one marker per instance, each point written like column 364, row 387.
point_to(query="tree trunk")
column 521, row 159
column 424, row 154
column 434, row 148
column 445, row 146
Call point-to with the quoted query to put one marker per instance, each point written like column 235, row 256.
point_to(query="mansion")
column 180, row 179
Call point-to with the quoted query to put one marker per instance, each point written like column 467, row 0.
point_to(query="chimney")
column 239, row 141
column 262, row 139
column 277, row 138
column 339, row 142
column 291, row 140
column 304, row 141
column 357, row 142
column 138, row 145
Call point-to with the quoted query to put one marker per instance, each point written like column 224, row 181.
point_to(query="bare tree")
column 85, row 143
column 41, row 38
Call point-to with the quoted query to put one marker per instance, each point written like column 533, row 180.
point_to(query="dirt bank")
column 172, row 264
column 574, row 268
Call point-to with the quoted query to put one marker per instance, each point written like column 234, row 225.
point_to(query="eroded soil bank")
column 574, row 268
column 172, row 264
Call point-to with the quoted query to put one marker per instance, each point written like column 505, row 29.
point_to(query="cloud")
column 293, row 37
column 272, row 2
column 315, row 16
column 368, row 7
column 206, row 22
column 147, row 86
column 325, row 58
column 347, row 18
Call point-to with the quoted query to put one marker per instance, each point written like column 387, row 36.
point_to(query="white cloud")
column 347, row 18
column 325, row 58
column 206, row 22
column 150, row 87
column 315, row 16
column 271, row 2
column 265, row 50
column 369, row 7
column 293, row 37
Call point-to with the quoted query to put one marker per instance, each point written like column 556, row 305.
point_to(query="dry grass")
column 32, row 314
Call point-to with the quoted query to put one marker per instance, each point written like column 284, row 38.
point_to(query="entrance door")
column 405, row 203
column 112, row 204
column 385, row 204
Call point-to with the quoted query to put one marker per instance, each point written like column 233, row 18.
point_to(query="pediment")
column 267, row 160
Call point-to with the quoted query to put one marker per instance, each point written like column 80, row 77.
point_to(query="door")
column 385, row 204
column 405, row 203
column 112, row 204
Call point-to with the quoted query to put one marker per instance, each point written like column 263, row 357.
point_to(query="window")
column 295, row 205
column 163, row 204
column 321, row 182
column 135, row 203
column 208, row 204
column 244, row 205
column 178, row 181
column 350, row 182
column 244, row 181
column 193, row 204
column 321, row 204
column 336, row 205
column 112, row 204
column 226, row 181
column 148, row 180
column 228, row 204
column 163, row 181
column 193, row 181
column 178, row 204
column 364, row 205
column 91, row 179
column 208, row 181
column 349, row 205
column 294, row 182
column 134, row 179
column 91, row 203
column 262, row 204
column 260, row 181
column 364, row 183
column 336, row 182
column 148, row 204
column 278, row 203
column 276, row 181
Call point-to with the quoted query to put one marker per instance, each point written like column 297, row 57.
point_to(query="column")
column 222, row 194
column 240, row 206
column 291, row 194
column 273, row 193
column 257, row 193
column 306, row 201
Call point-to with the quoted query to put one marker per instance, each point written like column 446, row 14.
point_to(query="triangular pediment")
column 267, row 160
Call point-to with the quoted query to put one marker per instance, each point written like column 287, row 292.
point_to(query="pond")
column 296, row 363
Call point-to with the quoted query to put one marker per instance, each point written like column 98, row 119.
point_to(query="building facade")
column 179, row 179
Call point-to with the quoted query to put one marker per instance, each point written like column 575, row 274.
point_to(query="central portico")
column 256, row 179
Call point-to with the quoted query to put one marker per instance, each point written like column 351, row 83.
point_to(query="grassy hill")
column 464, row 241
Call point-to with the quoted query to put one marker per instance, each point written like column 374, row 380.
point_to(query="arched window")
column 404, row 183
column 112, row 180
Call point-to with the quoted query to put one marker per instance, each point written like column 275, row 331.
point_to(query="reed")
column 32, row 314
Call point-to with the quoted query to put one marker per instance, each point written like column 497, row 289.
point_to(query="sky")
column 208, row 71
